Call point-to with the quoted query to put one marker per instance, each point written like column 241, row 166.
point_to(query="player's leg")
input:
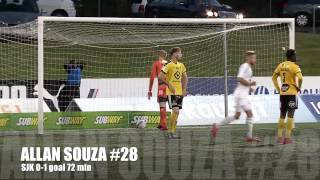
column 234, row 117
column 175, row 102
column 249, row 122
column 292, row 106
column 281, row 121
column 63, row 99
column 162, row 98
column 246, row 106
column 163, row 116
column 174, row 118
column 77, row 92
column 227, row 120
column 67, row 98
column 289, row 126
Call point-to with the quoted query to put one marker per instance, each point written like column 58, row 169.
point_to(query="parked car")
column 188, row 9
column 13, row 12
column 138, row 7
column 301, row 10
column 64, row 8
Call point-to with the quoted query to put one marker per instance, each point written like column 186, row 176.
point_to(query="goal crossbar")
column 166, row 20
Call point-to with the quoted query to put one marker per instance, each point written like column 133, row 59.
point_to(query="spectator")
column 72, row 89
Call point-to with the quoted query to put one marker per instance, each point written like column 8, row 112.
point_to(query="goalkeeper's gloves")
column 149, row 95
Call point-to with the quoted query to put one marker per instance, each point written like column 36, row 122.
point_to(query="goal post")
column 292, row 36
column 40, row 77
column 117, row 49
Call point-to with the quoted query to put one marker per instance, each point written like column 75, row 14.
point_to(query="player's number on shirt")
column 283, row 77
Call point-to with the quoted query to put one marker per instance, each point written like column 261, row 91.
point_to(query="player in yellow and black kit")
column 289, row 72
column 174, row 75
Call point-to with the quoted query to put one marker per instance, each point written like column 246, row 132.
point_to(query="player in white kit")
column 241, row 97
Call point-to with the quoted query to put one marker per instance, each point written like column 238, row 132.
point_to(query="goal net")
column 103, row 64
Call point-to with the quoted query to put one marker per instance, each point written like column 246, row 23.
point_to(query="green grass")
column 308, row 49
column 192, row 157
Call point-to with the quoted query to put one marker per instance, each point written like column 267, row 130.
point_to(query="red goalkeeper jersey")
column 155, row 72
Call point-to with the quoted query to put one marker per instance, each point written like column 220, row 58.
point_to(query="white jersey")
column 244, row 72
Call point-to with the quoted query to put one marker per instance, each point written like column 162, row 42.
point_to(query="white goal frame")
column 42, row 19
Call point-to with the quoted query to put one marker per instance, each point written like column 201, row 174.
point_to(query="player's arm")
column 163, row 78
column 245, row 82
column 184, row 82
column 275, row 76
column 241, row 75
column 152, row 76
column 300, row 78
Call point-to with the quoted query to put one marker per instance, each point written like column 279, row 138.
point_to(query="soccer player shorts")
column 242, row 103
column 162, row 96
column 288, row 102
column 175, row 101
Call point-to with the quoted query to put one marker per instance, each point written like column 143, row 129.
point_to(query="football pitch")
column 192, row 157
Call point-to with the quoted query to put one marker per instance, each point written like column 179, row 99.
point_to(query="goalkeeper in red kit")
column 162, row 97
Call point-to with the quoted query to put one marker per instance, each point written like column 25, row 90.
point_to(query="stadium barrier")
column 201, row 107
column 115, row 113
column 205, row 110
column 196, row 86
column 77, row 120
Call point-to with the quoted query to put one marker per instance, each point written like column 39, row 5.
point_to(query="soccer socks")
column 173, row 124
column 226, row 121
column 229, row 119
column 163, row 117
column 250, row 127
column 281, row 126
column 289, row 127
